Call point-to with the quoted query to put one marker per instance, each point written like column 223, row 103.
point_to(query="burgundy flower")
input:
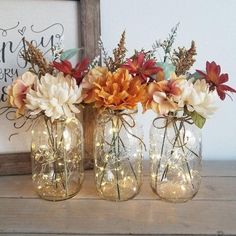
column 216, row 80
column 78, row 72
column 144, row 69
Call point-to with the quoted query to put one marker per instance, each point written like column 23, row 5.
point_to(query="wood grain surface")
column 211, row 212
column 91, row 31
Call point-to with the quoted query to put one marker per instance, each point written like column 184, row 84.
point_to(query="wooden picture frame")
column 20, row 163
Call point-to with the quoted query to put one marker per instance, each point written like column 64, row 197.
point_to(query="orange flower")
column 18, row 90
column 88, row 82
column 117, row 91
column 160, row 96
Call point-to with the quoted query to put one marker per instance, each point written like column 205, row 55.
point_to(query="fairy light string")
column 164, row 122
column 118, row 120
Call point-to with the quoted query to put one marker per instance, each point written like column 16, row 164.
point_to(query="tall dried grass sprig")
column 167, row 44
column 183, row 59
column 118, row 58
column 104, row 53
column 36, row 59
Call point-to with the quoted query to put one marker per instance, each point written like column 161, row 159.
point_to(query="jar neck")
column 167, row 121
column 111, row 112
column 59, row 120
column 117, row 118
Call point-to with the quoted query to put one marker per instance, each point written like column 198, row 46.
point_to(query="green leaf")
column 168, row 69
column 68, row 54
column 198, row 120
column 196, row 76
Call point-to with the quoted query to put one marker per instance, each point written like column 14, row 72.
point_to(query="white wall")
column 211, row 23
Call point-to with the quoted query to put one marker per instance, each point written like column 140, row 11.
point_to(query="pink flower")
column 17, row 91
column 165, row 103
column 160, row 96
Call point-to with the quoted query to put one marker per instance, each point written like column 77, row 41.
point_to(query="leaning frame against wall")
column 19, row 163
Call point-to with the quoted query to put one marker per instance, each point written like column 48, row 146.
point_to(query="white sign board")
column 43, row 22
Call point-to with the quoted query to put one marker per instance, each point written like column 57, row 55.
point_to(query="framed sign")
column 67, row 22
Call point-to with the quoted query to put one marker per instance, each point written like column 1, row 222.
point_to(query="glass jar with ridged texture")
column 118, row 155
column 57, row 158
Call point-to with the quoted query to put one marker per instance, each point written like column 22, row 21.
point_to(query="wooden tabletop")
column 212, row 211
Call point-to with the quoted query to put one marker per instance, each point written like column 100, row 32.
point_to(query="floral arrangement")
column 55, row 90
column 46, row 99
column 47, row 88
column 112, row 86
column 115, row 93
column 166, row 86
column 182, row 100
column 171, row 89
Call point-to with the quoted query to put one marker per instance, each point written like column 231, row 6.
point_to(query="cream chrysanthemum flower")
column 197, row 97
column 55, row 96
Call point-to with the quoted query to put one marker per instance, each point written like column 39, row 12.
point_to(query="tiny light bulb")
column 183, row 188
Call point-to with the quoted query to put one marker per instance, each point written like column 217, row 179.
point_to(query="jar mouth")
column 59, row 120
column 176, row 114
column 118, row 112
column 117, row 116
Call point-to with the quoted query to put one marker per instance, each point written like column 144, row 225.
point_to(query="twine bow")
column 171, row 119
column 126, row 119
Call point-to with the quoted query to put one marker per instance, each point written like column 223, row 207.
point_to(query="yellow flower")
column 117, row 91
column 18, row 90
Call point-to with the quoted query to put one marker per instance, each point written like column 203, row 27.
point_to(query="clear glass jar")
column 175, row 158
column 57, row 158
column 118, row 155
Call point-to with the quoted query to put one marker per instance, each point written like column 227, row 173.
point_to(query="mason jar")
column 57, row 158
column 118, row 155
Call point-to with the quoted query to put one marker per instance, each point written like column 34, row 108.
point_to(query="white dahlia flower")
column 197, row 97
column 56, row 96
